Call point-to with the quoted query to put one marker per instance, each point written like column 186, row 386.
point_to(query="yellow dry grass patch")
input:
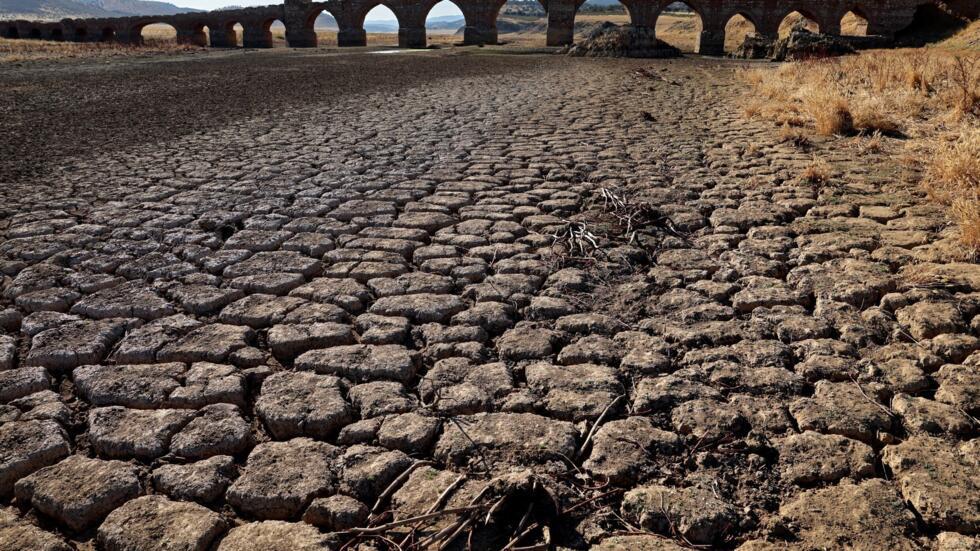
column 12, row 51
column 929, row 96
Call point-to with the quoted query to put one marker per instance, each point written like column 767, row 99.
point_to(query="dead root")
column 517, row 505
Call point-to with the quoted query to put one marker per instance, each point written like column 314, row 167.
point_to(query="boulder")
column 611, row 40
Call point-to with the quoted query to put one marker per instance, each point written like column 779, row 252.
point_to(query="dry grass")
column 157, row 39
column 817, row 174
column 953, row 179
column 931, row 97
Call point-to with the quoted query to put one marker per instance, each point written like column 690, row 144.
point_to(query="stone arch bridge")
column 884, row 17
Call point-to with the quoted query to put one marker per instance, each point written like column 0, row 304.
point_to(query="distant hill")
column 60, row 9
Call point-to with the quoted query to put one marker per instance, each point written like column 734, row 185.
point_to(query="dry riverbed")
column 308, row 300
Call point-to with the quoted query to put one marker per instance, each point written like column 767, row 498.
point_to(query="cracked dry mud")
column 281, row 328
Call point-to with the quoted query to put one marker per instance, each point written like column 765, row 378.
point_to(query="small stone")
column 361, row 362
column 869, row 515
column 409, row 432
column 217, row 429
column 811, row 457
column 336, row 513
column 591, row 349
column 506, row 438
column 637, row 543
column 663, row 393
column 259, row 311
column 622, row 450
column 155, row 523
column 209, row 383
column 203, row 481
column 8, row 352
column 939, row 481
column 381, row 398
column 348, row 294
column 17, row 383
column 420, row 308
column 574, row 392
column 119, row 432
column 959, row 386
column 494, row 317
column 25, row 447
column 74, row 343
column 281, row 478
column 927, row 319
column 695, row 513
column 20, row 535
column 302, row 404
column 290, row 340
column 841, row 408
column 923, row 415
column 205, row 300
column 129, row 300
column 78, row 492
column 209, row 343
column 708, row 420
column 589, row 324
column 134, row 386
column 951, row 541
column 274, row 535
column 368, row 470
column 274, row 262
column 526, row 343
column 140, row 346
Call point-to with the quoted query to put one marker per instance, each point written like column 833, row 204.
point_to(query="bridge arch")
column 738, row 26
column 108, row 34
column 854, row 22
column 306, row 37
column 405, row 29
column 163, row 32
column 924, row 22
column 433, row 26
column 197, row 33
column 798, row 16
column 680, row 24
column 259, row 33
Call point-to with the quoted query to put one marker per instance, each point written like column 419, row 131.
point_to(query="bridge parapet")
column 885, row 18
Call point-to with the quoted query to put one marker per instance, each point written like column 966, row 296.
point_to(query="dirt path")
column 645, row 319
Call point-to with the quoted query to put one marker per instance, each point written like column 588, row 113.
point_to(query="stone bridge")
column 884, row 17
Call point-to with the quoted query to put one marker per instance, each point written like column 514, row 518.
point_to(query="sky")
column 377, row 14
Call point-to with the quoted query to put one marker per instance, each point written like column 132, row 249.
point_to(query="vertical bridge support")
column 481, row 20
column 712, row 38
column 561, row 21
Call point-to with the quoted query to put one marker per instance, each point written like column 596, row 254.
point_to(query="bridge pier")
column 126, row 36
column 223, row 38
column 830, row 26
column 351, row 37
column 256, row 37
column 561, row 22
column 194, row 37
column 301, row 38
column 481, row 20
column 712, row 40
column 411, row 37
column 642, row 14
